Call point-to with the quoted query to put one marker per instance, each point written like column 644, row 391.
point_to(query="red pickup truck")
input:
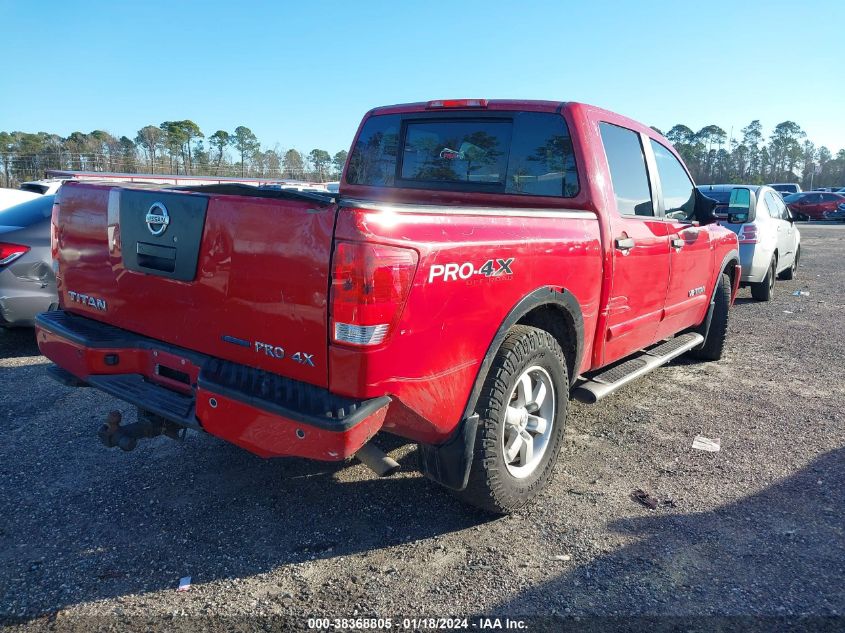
column 483, row 262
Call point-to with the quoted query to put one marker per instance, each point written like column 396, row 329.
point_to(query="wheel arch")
column 449, row 463
column 728, row 266
column 555, row 310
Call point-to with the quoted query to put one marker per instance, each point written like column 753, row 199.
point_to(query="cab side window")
column 676, row 186
column 628, row 173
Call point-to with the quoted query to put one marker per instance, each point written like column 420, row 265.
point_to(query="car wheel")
column 789, row 273
column 522, row 412
column 714, row 343
column 763, row 290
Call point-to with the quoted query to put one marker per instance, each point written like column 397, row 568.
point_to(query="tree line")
column 173, row 147
column 180, row 147
column 750, row 158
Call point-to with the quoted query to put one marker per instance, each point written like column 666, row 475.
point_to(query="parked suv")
column 482, row 261
column 786, row 188
column 769, row 241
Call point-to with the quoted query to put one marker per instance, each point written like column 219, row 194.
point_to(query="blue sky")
column 301, row 74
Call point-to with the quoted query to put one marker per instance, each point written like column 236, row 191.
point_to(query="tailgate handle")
column 156, row 257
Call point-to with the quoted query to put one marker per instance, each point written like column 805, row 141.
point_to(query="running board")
column 597, row 386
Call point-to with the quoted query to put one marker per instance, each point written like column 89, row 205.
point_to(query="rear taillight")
column 748, row 234
column 370, row 283
column 10, row 252
column 54, row 229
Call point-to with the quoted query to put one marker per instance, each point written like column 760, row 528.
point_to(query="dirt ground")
column 100, row 537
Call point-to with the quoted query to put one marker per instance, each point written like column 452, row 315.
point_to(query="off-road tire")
column 763, row 290
column 789, row 273
column 714, row 342
column 491, row 486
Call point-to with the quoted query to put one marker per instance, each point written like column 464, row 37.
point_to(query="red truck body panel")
column 446, row 328
column 264, row 275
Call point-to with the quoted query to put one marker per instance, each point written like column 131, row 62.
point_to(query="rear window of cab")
column 523, row 153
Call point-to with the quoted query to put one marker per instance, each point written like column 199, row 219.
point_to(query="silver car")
column 27, row 279
column 769, row 241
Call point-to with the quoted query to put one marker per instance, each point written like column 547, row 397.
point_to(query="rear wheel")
column 763, row 290
column 789, row 273
column 522, row 411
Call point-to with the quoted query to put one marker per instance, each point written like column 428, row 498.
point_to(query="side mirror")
column 739, row 206
column 704, row 211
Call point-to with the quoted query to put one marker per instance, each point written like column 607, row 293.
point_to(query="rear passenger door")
column 640, row 247
column 785, row 230
column 690, row 247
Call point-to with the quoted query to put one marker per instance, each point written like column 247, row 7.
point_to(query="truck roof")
column 490, row 104
column 527, row 105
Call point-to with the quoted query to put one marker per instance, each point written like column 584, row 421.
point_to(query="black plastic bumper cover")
column 292, row 399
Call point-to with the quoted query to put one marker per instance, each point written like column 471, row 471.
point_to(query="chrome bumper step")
column 594, row 387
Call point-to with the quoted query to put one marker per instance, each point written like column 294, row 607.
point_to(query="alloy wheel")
column 529, row 418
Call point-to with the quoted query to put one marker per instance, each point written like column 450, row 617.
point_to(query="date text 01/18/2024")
column 417, row 623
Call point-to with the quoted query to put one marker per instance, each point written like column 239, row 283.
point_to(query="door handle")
column 677, row 242
column 624, row 244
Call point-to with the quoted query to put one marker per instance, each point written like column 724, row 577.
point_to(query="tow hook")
column 112, row 434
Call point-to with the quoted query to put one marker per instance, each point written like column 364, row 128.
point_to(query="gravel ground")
column 756, row 529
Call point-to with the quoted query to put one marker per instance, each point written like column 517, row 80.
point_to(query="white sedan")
column 769, row 241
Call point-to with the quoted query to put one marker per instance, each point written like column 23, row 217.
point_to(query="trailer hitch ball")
column 109, row 427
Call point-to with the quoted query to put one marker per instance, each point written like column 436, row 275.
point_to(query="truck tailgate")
column 236, row 277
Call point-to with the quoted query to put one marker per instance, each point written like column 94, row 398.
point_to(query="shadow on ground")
column 81, row 522
column 16, row 342
column 787, row 542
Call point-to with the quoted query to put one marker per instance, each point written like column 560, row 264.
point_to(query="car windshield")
column 27, row 213
column 795, row 197
column 722, row 196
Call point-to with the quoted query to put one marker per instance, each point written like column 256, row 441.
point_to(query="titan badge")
column 87, row 300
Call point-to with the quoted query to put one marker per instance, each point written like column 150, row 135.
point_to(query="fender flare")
column 449, row 463
column 563, row 299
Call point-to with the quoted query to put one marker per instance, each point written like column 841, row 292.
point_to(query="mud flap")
column 449, row 464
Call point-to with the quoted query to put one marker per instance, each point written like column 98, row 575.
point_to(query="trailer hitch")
column 112, row 433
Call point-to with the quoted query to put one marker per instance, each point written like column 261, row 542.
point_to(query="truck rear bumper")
column 265, row 413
